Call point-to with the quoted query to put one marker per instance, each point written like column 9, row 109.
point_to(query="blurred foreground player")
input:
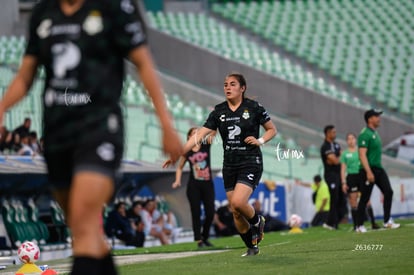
column 81, row 44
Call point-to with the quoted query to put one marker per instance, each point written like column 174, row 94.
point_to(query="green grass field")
column 315, row 251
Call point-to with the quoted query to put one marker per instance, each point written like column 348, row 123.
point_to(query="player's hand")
column 172, row 145
column 344, row 188
column 176, row 184
column 167, row 163
column 252, row 141
column 370, row 177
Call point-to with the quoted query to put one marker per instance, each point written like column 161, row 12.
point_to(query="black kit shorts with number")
column 248, row 174
column 353, row 182
column 96, row 150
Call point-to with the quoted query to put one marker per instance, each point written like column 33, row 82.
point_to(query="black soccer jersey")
column 234, row 127
column 330, row 148
column 83, row 58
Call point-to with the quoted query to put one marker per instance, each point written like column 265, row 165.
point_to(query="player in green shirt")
column 372, row 172
column 350, row 178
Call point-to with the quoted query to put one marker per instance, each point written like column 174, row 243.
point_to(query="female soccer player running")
column 82, row 45
column 238, row 119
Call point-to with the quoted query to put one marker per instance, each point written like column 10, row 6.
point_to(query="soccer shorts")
column 248, row 174
column 100, row 151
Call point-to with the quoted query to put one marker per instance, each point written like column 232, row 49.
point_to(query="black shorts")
column 248, row 174
column 353, row 181
column 100, row 151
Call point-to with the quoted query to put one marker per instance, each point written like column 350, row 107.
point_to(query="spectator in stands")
column 24, row 129
column 120, row 226
column 154, row 223
column 134, row 215
column 321, row 199
column 272, row 223
column 34, row 143
column 224, row 222
column 239, row 120
column 200, row 187
column 330, row 154
column 16, row 144
column 25, row 149
column 84, row 65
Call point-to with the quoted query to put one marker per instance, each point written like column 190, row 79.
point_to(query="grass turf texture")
column 315, row 251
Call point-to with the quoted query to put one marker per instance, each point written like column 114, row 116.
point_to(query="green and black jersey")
column 370, row 139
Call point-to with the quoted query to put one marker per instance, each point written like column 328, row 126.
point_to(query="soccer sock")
column 86, row 265
column 93, row 266
column 354, row 213
column 247, row 238
column 108, row 265
column 371, row 214
column 254, row 220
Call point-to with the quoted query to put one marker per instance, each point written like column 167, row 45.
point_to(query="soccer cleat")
column 262, row 222
column 327, row 226
column 258, row 231
column 251, row 251
column 375, row 226
column 207, row 243
column 361, row 229
column 391, row 224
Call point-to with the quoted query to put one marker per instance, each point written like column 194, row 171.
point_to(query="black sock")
column 371, row 214
column 247, row 238
column 254, row 220
column 93, row 266
column 108, row 265
column 86, row 265
column 354, row 213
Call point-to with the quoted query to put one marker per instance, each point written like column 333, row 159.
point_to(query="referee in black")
column 330, row 154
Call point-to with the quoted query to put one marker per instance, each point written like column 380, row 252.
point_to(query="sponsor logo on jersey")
column 106, row 151
column 93, row 24
column 43, row 30
column 246, row 114
column 127, row 6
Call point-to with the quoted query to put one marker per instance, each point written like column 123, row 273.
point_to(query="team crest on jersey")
column 43, row 30
column 246, row 114
column 93, row 23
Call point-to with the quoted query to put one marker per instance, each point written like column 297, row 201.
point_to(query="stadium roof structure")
column 24, row 174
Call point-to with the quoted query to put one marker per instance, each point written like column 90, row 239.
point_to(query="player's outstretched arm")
column 20, row 85
column 142, row 59
column 193, row 141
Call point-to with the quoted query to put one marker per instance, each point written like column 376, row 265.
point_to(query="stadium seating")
column 207, row 32
column 143, row 134
column 366, row 43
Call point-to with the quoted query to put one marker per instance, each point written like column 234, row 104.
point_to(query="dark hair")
column 33, row 134
column 317, row 178
column 119, row 204
column 328, row 128
column 240, row 78
column 189, row 132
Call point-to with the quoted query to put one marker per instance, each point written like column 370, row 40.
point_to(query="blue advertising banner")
column 273, row 202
